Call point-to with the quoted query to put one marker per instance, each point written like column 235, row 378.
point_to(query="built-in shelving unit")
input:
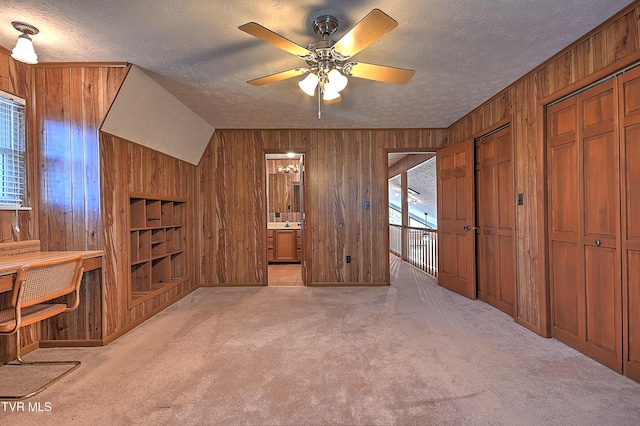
column 158, row 242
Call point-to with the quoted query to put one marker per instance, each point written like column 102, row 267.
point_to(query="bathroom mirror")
column 282, row 194
column 283, row 189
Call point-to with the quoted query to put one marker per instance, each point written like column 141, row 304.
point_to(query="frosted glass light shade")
column 308, row 85
column 336, row 81
column 24, row 51
column 330, row 95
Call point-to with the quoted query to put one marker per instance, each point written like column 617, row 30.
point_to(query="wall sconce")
column 24, row 51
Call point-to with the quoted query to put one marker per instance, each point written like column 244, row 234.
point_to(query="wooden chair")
column 35, row 288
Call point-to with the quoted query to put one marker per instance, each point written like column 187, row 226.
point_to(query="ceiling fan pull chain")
column 319, row 102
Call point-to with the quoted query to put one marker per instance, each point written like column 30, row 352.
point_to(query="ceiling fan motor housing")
column 325, row 26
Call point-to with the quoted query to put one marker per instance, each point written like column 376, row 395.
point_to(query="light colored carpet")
column 409, row 354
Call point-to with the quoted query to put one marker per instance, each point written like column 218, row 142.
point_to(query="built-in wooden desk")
column 15, row 255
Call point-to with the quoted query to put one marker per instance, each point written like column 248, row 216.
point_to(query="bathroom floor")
column 285, row 275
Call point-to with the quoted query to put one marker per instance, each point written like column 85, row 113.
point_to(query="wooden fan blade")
column 368, row 30
column 277, row 40
column 381, row 73
column 272, row 78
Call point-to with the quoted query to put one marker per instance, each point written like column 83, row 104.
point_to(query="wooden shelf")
column 157, row 242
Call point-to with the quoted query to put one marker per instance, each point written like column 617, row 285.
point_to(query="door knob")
column 597, row 243
column 469, row 227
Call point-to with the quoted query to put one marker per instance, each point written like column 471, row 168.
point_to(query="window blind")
column 12, row 150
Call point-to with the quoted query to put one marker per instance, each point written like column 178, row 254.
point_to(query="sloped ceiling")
column 463, row 52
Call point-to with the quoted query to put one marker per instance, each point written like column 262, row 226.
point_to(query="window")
column 12, row 150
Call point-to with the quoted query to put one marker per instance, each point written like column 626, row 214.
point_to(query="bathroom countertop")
column 281, row 225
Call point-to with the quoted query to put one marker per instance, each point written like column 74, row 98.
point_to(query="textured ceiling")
column 463, row 52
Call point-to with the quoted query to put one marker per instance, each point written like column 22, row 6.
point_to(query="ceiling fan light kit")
column 327, row 61
column 24, row 51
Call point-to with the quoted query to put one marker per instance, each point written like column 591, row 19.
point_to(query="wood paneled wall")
column 15, row 78
column 66, row 104
column 14, row 75
column 71, row 103
column 344, row 168
column 612, row 45
column 129, row 167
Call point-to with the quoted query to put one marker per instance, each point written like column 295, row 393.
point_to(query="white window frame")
column 13, row 178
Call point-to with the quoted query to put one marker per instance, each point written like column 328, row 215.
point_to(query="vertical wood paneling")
column 610, row 43
column 344, row 168
column 72, row 102
column 15, row 77
column 63, row 174
column 128, row 167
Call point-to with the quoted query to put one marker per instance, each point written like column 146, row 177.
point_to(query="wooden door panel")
column 630, row 184
column 488, row 150
column 462, row 206
column 495, row 213
column 600, row 207
column 462, row 270
column 630, row 94
column 487, row 207
column 505, row 202
column 285, row 245
column 600, row 189
column 489, row 269
column 632, row 356
column 566, row 293
column 448, row 210
column 631, row 161
column 456, row 210
column 507, row 273
column 562, row 122
column 564, row 224
column 503, row 146
column 597, row 109
column 447, row 257
column 603, row 331
column 563, row 196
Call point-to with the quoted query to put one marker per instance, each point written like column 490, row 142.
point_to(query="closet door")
column 565, row 273
column 584, row 224
column 495, row 213
column 600, row 233
column 630, row 170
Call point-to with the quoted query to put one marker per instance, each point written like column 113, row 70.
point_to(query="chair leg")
column 21, row 362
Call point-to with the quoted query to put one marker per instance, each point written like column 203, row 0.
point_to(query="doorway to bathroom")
column 285, row 219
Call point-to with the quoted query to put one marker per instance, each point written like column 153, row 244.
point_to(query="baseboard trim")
column 233, row 285
column 71, row 343
column 23, row 351
column 349, row 284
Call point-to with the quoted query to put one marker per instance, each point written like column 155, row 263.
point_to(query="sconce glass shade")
column 308, row 85
column 24, row 51
column 336, row 81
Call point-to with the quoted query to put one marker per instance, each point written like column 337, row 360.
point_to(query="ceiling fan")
column 328, row 62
